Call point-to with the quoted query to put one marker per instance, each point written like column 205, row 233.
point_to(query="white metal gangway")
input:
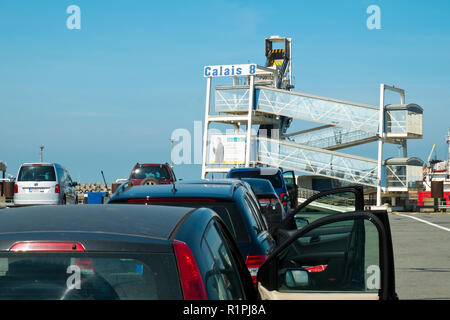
column 261, row 96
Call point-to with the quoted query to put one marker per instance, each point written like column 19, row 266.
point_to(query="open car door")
column 341, row 256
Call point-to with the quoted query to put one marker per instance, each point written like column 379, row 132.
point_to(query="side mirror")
column 296, row 278
column 301, row 222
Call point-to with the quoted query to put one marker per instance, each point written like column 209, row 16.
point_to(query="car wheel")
column 149, row 181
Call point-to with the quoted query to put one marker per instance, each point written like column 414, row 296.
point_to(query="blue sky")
column 111, row 94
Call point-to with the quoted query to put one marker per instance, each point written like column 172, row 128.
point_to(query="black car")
column 271, row 206
column 274, row 175
column 233, row 201
column 119, row 252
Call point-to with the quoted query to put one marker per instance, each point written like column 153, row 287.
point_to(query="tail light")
column 32, row 246
column 282, row 195
column 253, row 263
column 318, row 268
column 57, row 188
column 16, row 188
column 190, row 276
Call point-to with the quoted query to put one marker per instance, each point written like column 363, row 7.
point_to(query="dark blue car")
column 232, row 200
column 274, row 175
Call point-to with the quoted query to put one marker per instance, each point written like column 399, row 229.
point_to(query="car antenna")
column 104, row 180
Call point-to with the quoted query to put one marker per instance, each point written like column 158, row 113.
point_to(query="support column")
column 404, row 141
column 405, row 148
column 251, row 95
column 205, row 132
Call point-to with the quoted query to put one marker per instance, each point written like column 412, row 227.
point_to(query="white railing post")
column 380, row 144
column 205, row 132
column 251, row 95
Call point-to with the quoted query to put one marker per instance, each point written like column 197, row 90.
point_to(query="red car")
column 152, row 173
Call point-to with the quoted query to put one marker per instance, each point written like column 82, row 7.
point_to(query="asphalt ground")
column 422, row 255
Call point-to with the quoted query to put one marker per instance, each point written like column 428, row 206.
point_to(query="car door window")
column 334, row 257
column 337, row 257
column 222, row 278
column 324, row 206
column 68, row 179
column 255, row 219
column 289, row 177
column 60, row 174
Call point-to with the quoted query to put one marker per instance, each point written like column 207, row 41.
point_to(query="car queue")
column 163, row 238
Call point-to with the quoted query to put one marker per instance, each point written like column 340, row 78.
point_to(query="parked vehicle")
column 232, row 201
column 109, row 252
column 230, row 182
column 271, row 206
column 274, row 175
column 152, row 173
column 272, row 214
column 44, row 183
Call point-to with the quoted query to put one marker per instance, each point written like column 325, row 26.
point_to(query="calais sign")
column 229, row 70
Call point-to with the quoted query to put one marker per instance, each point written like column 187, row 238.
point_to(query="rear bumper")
column 36, row 202
column 45, row 200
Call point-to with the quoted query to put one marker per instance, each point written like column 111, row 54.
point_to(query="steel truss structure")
column 265, row 99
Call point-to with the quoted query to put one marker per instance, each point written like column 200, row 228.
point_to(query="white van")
column 44, row 183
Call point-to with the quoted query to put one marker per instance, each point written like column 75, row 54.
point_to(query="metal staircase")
column 264, row 99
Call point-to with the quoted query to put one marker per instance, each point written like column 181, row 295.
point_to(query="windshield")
column 150, row 171
column 37, row 173
column 76, row 276
column 273, row 178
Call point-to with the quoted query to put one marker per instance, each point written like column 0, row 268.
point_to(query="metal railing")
column 284, row 154
column 298, row 106
column 331, row 137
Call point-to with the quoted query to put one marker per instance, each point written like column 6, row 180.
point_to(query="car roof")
column 182, row 190
column 39, row 163
column 151, row 164
column 102, row 220
column 269, row 170
column 229, row 181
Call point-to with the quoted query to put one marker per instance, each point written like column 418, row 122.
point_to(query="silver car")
column 44, row 183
